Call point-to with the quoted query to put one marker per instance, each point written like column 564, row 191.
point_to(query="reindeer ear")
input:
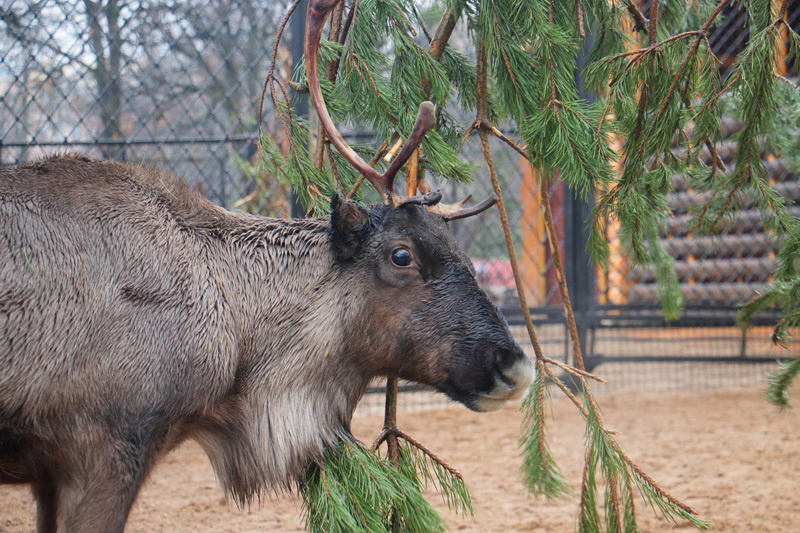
column 349, row 226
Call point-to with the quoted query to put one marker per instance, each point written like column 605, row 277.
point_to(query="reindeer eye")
column 401, row 257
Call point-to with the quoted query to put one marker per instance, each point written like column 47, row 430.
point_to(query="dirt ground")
column 727, row 453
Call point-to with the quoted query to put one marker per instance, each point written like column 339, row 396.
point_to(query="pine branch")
column 555, row 253
column 588, row 515
column 653, row 26
column 574, row 371
column 483, row 118
column 778, row 382
column 440, row 40
column 432, row 470
column 390, row 422
column 614, row 511
column 270, row 80
column 415, row 461
column 541, row 474
column 333, row 501
column 568, row 393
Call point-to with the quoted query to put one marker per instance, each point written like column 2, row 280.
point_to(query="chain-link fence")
column 169, row 84
column 177, row 85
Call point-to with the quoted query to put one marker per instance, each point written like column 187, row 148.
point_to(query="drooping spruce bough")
column 659, row 93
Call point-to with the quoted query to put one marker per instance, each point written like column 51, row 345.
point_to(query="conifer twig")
column 650, row 481
column 298, row 87
column 631, row 499
column 372, row 162
column 497, row 133
column 541, row 443
column 568, row 393
column 483, row 118
column 615, row 503
column 653, row 35
column 441, row 36
column 610, row 441
column 653, row 15
column 390, row 420
column 642, row 52
column 702, row 35
column 717, row 161
column 396, row 432
column 574, row 371
column 555, row 253
column 273, row 60
column 676, row 80
column 585, row 485
column 710, row 20
column 348, row 22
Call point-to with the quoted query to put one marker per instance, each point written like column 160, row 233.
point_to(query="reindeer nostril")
column 507, row 381
column 503, row 359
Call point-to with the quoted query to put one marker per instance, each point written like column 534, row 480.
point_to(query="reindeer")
column 135, row 314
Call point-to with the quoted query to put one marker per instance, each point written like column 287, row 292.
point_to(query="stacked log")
column 736, row 261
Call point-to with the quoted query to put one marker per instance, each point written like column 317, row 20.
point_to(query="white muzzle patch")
column 514, row 383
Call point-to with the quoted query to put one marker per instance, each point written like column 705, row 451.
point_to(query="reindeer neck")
column 295, row 377
column 273, row 263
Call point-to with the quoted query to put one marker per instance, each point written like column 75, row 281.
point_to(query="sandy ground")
column 727, row 453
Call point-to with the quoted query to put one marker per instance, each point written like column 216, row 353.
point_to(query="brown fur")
column 135, row 314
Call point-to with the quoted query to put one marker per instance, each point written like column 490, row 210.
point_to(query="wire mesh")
column 168, row 84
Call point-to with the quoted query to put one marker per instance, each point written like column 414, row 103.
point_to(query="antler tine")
column 455, row 211
column 426, row 120
column 318, row 11
column 430, row 199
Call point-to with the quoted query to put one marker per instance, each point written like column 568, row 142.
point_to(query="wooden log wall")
column 729, row 267
column 737, row 262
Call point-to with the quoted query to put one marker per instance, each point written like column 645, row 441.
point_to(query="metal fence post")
column 300, row 101
column 580, row 272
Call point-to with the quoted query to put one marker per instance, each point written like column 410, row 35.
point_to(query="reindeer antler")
column 318, row 11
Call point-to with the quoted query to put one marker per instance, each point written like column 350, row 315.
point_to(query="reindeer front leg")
column 94, row 485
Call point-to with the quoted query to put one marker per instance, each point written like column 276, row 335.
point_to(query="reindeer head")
column 424, row 317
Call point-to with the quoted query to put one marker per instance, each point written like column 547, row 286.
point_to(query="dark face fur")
column 424, row 317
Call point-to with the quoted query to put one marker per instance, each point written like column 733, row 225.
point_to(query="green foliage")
column 607, row 468
column 297, row 169
column 455, row 494
column 659, row 94
column 605, row 461
column 778, row 382
column 783, row 294
column 371, row 89
column 539, row 470
column 355, row 490
column 621, row 476
column 786, row 138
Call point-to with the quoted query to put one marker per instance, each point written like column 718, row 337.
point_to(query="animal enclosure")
column 180, row 95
